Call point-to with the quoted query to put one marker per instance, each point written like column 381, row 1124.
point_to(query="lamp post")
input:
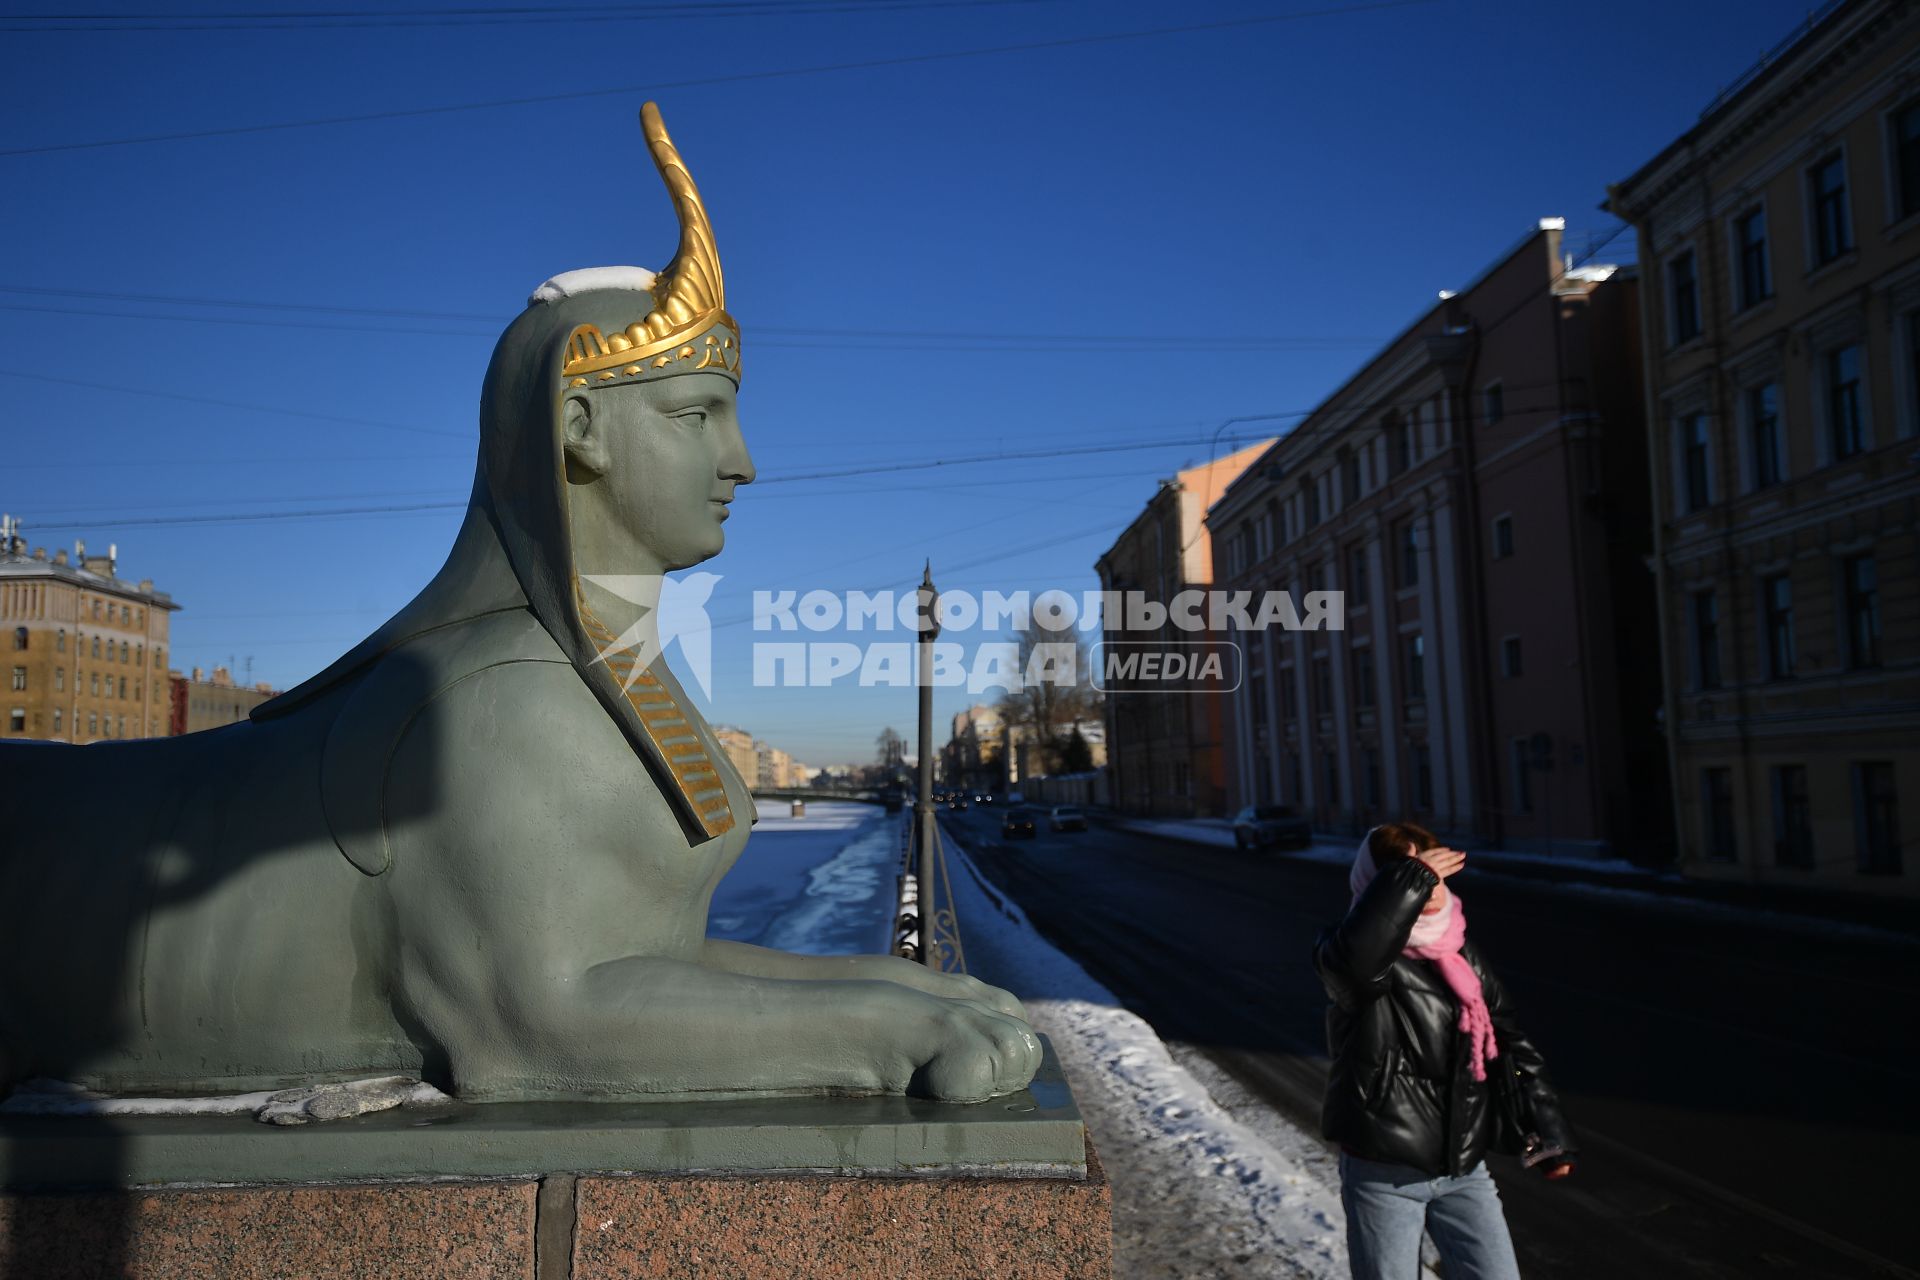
column 929, row 603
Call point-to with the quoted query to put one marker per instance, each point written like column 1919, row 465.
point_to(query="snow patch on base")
column 1196, row 1193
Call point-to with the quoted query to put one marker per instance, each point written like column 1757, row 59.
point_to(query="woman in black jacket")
column 1430, row 1071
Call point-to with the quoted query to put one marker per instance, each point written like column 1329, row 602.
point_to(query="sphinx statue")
column 479, row 848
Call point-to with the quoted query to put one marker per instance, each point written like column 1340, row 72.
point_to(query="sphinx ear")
column 588, row 457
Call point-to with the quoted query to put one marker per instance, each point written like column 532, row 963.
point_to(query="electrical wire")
column 866, row 64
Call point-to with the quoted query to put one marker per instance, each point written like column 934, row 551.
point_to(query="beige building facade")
column 1781, row 243
column 1165, row 746
column 85, row 651
column 1476, row 492
column 201, row 701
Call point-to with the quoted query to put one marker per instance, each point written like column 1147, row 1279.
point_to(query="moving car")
column 1018, row 823
column 1257, row 826
column 1067, row 818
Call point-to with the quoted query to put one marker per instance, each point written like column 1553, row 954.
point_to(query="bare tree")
column 889, row 748
column 1050, row 706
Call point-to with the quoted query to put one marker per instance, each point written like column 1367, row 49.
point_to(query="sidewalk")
column 1828, row 906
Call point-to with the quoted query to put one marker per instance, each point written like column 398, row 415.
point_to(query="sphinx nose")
column 736, row 464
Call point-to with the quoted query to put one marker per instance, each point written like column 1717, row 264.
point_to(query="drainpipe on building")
column 1651, row 327
column 1458, row 366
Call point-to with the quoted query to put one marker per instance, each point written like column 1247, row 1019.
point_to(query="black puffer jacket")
column 1401, row 1089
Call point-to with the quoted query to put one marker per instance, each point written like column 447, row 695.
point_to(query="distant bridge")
column 867, row 795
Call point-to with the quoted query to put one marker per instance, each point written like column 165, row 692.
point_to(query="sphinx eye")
column 691, row 417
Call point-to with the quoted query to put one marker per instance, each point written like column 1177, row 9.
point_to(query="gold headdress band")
column 688, row 329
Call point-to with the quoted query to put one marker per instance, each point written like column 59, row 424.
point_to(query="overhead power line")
column 770, row 335
column 349, row 19
column 865, row 64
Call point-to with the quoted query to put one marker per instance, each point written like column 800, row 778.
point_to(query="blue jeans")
column 1389, row 1205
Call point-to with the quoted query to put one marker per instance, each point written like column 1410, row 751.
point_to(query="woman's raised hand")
column 1442, row 862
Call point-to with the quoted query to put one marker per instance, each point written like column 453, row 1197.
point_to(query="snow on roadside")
column 1196, row 1193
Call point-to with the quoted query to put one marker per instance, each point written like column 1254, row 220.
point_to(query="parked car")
column 1018, row 823
column 1066, row 818
column 958, row 802
column 1271, row 824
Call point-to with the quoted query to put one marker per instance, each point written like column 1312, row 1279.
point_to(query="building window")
column 1696, row 462
column 1876, row 819
column 59, row 679
column 19, row 677
column 1763, row 433
column 123, row 686
column 1716, row 804
column 1750, row 246
column 17, row 720
column 60, row 641
column 1517, row 758
column 93, row 724
column 1862, row 582
column 96, row 684
column 1400, row 442
column 1330, row 775
column 1494, row 399
column 1683, row 299
column 1905, row 137
column 124, row 651
column 1502, row 537
column 1792, row 817
column 1408, row 540
column 1776, row 599
column 1510, row 656
column 1310, row 500
column 96, row 646
column 20, row 637
column 1827, row 206
column 1322, row 687
column 57, row 716
column 1289, row 700
column 1846, row 426
column 1356, row 577
column 1370, row 775
column 1363, row 690
column 121, row 730
column 1416, row 666
column 1349, row 479
column 1706, row 641
column 1420, row 765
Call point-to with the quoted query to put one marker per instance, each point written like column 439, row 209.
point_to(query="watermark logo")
column 672, row 611
column 1160, row 666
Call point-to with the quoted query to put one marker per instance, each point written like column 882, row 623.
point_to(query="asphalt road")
column 1746, row 1087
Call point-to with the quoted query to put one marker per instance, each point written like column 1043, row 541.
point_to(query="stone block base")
column 825, row 1228
column 424, row 1231
column 574, row 1227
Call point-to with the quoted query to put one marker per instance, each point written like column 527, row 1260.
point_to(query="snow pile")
column 1195, row 1192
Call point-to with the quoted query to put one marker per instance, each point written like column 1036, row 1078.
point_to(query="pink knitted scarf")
column 1436, row 938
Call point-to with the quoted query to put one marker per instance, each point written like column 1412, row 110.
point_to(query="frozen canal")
column 820, row 885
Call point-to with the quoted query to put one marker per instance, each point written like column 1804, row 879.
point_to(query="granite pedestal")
column 757, row 1187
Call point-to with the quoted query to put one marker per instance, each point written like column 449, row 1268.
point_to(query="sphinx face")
column 652, row 467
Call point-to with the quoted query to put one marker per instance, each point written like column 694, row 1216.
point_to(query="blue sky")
column 1197, row 225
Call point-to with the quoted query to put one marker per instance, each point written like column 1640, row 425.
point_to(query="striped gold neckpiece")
column 668, row 725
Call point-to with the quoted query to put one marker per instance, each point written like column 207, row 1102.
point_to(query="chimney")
column 79, row 551
column 146, row 584
column 39, row 553
column 60, row 556
column 196, row 675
